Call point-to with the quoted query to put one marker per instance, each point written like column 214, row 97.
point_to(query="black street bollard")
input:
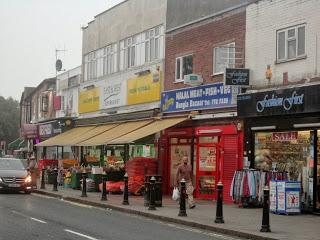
column 55, row 180
column 152, row 204
column 265, row 216
column 182, row 210
column 146, row 196
column 43, row 185
column 84, row 184
column 104, row 190
column 219, row 212
column 126, row 191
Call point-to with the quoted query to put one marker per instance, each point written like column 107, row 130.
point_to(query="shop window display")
column 290, row 152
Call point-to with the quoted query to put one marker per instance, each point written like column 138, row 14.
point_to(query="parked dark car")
column 14, row 175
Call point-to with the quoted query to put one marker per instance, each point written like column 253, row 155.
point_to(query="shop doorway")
column 207, row 166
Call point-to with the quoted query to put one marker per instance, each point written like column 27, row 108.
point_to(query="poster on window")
column 207, row 159
column 281, row 200
column 177, row 152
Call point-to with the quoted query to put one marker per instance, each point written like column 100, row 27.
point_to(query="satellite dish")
column 58, row 65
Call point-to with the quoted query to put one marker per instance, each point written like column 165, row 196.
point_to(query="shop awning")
column 145, row 131
column 92, row 133
column 116, row 132
column 15, row 144
column 65, row 139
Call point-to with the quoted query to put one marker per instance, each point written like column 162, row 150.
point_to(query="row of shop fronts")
column 275, row 130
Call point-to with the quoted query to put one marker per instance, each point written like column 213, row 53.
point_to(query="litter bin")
column 158, row 190
column 75, row 180
column 97, row 178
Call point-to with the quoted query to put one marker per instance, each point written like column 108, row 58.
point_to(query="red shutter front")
column 230, row 163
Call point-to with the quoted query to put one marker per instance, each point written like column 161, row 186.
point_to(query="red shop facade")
column 212, row 138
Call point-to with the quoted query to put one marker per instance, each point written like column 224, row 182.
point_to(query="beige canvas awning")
column 65, row 137
column 147, row 130
column 116, row 132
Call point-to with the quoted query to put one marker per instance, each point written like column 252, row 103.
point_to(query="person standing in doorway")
column 184, row 171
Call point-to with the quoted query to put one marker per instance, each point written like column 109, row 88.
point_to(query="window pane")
column 301, row 41
column 292, row 49
column 178, row 67
column 133, row 55
column 291, row 33
column 281, row 45
column 156, row 55
column 231, row 55
column 147, row 51
column 187, row 65
column 151, row 49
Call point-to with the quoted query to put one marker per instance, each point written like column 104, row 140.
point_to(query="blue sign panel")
column 209, row 96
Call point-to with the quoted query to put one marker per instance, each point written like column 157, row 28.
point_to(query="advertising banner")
column 280, row 102
column 209, row 96
column 89, row 100
column 144, row 89
column 113, row 93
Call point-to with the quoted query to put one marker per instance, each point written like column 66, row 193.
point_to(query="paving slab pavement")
column 241, row 222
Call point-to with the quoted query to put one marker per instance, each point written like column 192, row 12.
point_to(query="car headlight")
column 28, row 179
column 1, row 180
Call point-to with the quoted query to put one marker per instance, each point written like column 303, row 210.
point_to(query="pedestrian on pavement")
column 184, row 171
column 32, row 169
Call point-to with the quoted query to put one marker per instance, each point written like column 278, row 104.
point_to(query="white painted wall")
column 264, row 18
column 118, row 23
column 121, row 21
column 69, row 94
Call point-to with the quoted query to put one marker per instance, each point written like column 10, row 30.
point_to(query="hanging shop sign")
column 144, row 89
column 89, row 100
column 280, row 102
column 237, row 76
column 53, row 128
column 29, row 131
column 209, row 96
column 113, row 94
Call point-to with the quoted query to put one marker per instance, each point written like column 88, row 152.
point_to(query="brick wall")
column 200, row 39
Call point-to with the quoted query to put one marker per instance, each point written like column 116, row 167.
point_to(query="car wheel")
column 27, row 191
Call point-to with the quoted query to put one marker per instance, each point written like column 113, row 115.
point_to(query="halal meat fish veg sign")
column 196, row 98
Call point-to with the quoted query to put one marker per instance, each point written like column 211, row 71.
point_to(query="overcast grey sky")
column 30, row 32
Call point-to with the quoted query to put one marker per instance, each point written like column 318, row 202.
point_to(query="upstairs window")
column 223, row 57
column 184, row 66
column 291, row 43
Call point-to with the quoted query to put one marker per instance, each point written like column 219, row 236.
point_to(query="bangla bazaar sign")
column 209, row 96
column 280, row 102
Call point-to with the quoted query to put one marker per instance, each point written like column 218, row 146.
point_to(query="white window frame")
column 287, row 40
column 181, row 76
column 110, row 59
column 229, row 62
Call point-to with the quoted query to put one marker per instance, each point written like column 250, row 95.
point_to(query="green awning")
column 15, row 144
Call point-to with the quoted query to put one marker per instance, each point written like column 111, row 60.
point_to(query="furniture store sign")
column 209, row 96
column 280, row 102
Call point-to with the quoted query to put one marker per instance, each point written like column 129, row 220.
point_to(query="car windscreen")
column 11, row 164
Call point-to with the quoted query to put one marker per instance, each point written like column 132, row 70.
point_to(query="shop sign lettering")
column 237, row 76
column 284, row 136
column 209, row 96
column 286, row 102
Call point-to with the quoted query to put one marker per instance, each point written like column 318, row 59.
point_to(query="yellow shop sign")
column 144, row 89
column 89, row 101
